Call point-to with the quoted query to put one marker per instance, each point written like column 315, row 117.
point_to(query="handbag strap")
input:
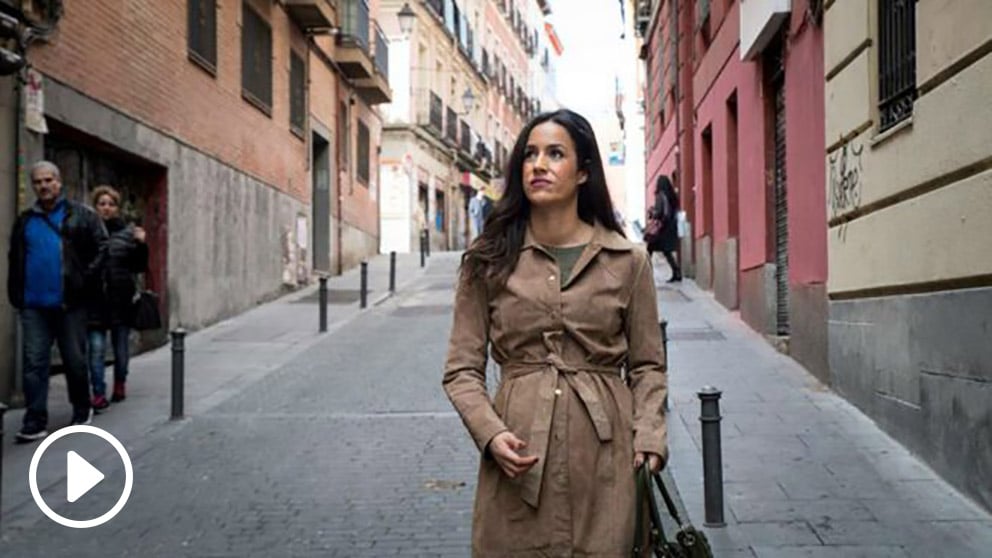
column 669, row 503
column 657, row 540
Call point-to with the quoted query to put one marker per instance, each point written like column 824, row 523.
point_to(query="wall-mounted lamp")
column 407, row 18
column 468, row 100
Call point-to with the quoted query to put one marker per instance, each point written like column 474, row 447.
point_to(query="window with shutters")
column 256, row 60
column 297, row 94
column 896, row 61
column 364, row 155
column 201, row 33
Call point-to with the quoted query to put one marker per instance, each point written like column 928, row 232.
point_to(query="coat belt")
column 540, row 433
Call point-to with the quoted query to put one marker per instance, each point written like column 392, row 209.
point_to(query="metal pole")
column 709, row 416
column 664, row 346
column 427, row 242
column 365, row 284
column 3, row 410
column 392, row 272
column 323, row 303
column 423, row 243
column 178, row 371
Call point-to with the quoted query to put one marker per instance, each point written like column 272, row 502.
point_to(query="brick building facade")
column 242, row 133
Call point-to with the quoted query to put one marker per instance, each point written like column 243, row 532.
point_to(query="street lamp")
column 407, row 18
column 468, row 100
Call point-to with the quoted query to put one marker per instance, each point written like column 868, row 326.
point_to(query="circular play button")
column 81, row 476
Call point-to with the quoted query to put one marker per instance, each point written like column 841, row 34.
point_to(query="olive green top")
column 566, row 257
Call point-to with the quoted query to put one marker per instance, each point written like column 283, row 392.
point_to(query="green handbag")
column 688, row 543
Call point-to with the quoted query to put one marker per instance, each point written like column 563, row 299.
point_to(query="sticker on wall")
column 34, row 103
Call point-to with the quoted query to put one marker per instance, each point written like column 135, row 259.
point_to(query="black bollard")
column 709, row 416
column 3, row 410
column 365, row 284
column 664, row 346
column 323, row 303
column 423, row 248
column 427, row 242
column 392, row 272
column 178, row 371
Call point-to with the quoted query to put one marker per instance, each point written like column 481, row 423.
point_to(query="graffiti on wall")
column 845, row 179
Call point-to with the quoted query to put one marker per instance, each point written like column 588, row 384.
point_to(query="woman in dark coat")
column 127, row 255
column 666, row 208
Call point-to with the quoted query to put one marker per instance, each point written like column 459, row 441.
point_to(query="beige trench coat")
column 562, row 351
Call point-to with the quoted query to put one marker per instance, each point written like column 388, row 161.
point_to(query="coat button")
column 557, row 391
column 551, row 278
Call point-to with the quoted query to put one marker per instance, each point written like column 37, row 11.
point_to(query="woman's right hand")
column 504, row 447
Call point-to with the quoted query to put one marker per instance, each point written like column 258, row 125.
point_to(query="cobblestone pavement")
column 345, row 445
column 350, row 449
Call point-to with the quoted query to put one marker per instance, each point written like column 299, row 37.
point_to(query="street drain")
column 695, row 335
column 438, row 485
column 418, row 310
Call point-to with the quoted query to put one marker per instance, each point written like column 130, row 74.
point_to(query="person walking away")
column 56, row 259
column 127, row 256
column 565, row 303
column 665, row 210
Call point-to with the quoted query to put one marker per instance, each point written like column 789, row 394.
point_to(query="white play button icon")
column 80, row 476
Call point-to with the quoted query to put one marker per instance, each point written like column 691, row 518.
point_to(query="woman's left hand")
column 139, row 234
column 654, row 461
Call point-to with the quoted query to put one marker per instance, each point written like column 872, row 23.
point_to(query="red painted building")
column 734, row 113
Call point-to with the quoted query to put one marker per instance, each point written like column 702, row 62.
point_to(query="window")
column 256, row 60
column 896, row 61
column 297, row 93
column 202, row 33
column 344, row 146
column 363, row 153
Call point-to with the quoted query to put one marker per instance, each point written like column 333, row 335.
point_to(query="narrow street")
column 349, row 448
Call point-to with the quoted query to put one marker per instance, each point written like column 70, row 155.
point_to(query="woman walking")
column 127, row 255
column 665, row 210
column 567, row 306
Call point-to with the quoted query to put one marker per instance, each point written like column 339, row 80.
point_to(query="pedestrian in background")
column 665, row 211
column 565, row 302
column 127, row 256
column 56, row 259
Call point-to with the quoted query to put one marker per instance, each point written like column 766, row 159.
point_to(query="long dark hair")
column 494, row 254
column 664, row 187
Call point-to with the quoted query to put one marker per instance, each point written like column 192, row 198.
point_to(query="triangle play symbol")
column 81, row 476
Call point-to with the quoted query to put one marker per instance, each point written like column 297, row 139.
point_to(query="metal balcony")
column 353, row 42
column 375, row 89
column 311, row 14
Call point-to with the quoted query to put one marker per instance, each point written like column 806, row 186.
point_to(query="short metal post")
column 365, row 284
column 423, row 247
column 3, row 410
column 427, row 242
column 178, row 371
column 664, row 346
column 709, row 416
column 392, row 272
column 323, row 303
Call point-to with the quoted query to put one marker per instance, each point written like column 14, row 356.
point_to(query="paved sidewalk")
column 221, row 360
column 806, row 474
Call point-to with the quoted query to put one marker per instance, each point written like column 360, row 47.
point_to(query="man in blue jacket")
column 56, row 257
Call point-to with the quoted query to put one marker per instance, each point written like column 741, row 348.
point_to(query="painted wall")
column 909, row 284
column 8, row 210
column 805, row 123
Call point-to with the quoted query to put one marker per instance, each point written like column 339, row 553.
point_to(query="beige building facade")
column 460, row 73
column 909, row 197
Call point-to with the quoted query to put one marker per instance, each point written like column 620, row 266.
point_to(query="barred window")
column 202, row 33
column 256, row 60
column 297, row 93
column 364, row 164
column 896, row 61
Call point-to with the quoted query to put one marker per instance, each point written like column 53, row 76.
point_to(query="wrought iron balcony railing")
column 355, row 22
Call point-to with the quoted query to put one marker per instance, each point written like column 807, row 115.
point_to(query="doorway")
column 321, row 177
